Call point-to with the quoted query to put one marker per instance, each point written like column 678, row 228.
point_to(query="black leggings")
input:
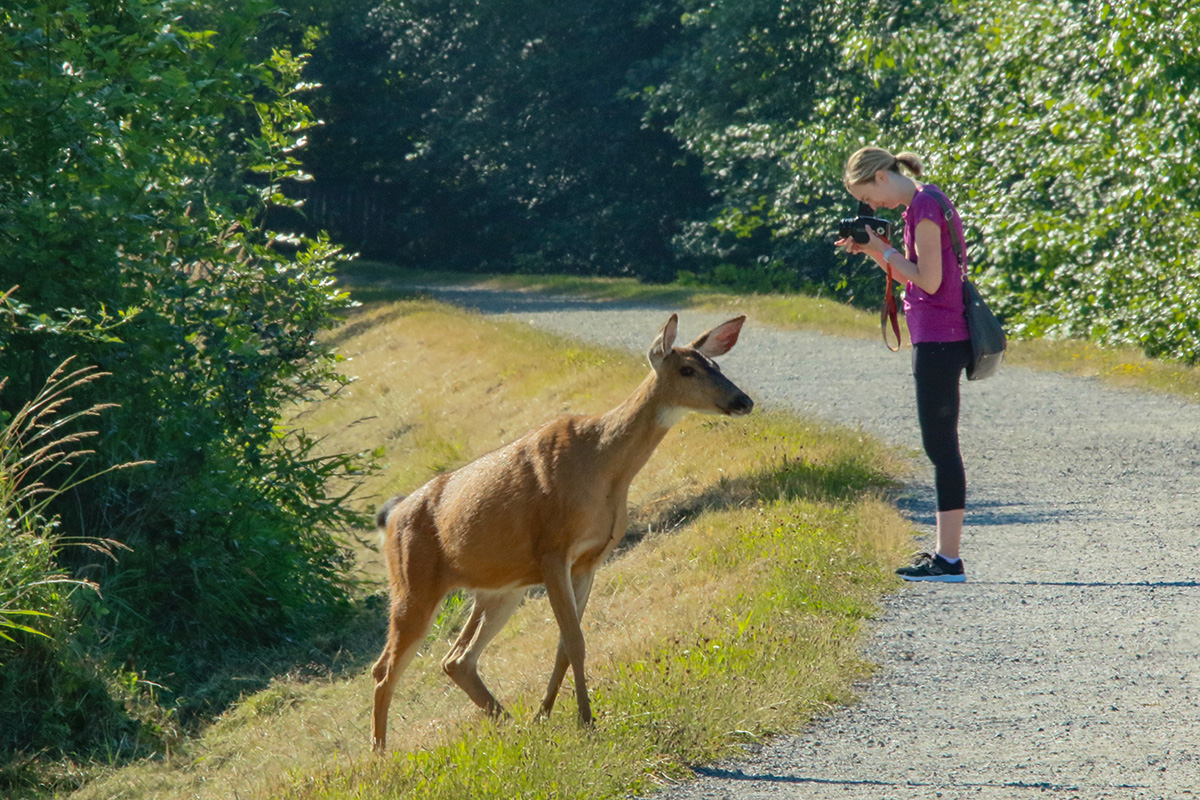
column 937, row 368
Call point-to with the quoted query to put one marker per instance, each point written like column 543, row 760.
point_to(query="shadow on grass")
column 839, row 482
column 387, row 294
column 360, row 326
column 100, row 726
column 376, row 282
column 370, row 281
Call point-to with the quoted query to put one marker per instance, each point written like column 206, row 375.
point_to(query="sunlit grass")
column 1118, row 366
column 757, row 550
column 741, row 621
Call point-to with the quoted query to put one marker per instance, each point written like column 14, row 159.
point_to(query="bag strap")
column 955, row 239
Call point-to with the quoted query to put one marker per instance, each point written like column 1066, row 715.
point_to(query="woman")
column 933, row 304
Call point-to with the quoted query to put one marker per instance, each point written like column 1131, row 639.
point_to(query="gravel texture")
column 1066, row 667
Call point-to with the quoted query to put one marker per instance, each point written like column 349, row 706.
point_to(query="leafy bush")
column 1068, row 129
column 501, row 136
column 771, row 97
column 146, row 155
column 1063, row 130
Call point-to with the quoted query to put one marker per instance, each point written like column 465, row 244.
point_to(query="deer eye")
column 687, row 372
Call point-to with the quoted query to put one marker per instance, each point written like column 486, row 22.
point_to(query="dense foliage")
column 39, row 438
column 768, row 95
column 142, row 149
column 498, row 136
column 1069, row 132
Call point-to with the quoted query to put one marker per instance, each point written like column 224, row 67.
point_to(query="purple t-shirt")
column 936, row 317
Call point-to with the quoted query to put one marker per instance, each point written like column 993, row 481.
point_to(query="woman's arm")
column 929, row 256
column 927, row 272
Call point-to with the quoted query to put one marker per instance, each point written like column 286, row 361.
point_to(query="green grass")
column 1117, row 366
column 777, row 646
column 757, row 552
column 743, row 623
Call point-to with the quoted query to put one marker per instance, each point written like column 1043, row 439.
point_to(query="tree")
column 502, row 136
column 772, row 96
column 142, row 158
column 1068, row 128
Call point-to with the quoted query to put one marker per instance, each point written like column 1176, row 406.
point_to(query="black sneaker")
column 926, row 567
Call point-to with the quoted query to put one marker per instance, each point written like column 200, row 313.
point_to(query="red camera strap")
column 888, row 311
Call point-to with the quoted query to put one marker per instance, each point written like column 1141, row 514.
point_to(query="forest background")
column 180, row 181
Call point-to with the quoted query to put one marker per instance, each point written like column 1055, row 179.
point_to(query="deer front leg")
column 583, row 589
column 488, row 614
column 556, row 574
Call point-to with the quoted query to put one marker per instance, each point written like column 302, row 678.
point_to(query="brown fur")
column 547, row 509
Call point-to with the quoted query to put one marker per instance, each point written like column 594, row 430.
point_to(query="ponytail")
column 862, row 166
column 911, row 162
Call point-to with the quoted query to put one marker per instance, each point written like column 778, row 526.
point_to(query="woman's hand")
column 850, row 245
column 875, row 246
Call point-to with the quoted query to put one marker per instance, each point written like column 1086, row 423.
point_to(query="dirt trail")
column 1068, row 666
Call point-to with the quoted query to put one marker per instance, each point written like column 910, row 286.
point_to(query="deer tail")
column 385, row 509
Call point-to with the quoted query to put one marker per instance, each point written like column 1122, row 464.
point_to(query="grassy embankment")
column 757, row 551
column 1119, row 366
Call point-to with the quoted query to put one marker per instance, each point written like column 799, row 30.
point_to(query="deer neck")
column 634, row 429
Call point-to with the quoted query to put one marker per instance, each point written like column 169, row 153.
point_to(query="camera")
column 856, row 228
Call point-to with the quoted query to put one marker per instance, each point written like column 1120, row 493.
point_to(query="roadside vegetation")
column 757, row 552
column 706, row 140
column 143, row 149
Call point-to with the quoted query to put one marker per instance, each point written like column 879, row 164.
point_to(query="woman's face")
column 877, row 193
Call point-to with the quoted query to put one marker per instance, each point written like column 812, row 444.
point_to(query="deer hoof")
column 498, row 712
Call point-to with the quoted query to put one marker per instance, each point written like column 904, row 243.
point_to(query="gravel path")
column 1066, row 667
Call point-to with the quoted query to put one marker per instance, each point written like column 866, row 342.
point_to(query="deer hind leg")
column 561, row 593
column 409, row 623
column 489, row 612
column 583, row 589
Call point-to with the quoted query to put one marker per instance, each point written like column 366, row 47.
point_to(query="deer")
column 547, row 508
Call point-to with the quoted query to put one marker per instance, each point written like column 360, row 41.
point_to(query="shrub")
column 51, row 698
column 148, row 146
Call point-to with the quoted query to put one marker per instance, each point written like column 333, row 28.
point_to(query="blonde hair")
column 862, row 166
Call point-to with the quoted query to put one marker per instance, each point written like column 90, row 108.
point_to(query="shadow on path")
column 917, row 504
column 1099, row 584
column 800, row 780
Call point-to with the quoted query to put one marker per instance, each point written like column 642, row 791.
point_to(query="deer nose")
column 742, row 404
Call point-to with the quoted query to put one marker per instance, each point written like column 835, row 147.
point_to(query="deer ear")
column 664, row 343
column 719, row 340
